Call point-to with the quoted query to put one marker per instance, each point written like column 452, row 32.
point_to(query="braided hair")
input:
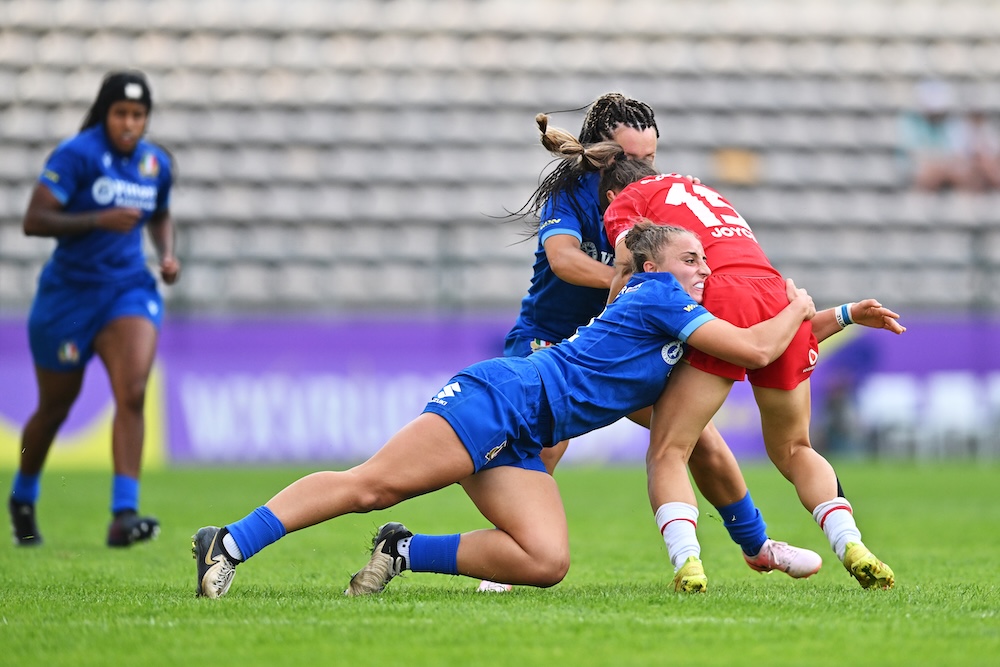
column 604, row 116
column 130, row 85
column 609, row 111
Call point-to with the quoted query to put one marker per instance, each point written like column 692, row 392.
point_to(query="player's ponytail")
column 577, row 157
column 604, row 116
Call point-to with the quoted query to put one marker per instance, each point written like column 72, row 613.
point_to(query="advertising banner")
column 296, row 390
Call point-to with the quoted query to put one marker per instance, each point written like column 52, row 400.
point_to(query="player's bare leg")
column 785, row 422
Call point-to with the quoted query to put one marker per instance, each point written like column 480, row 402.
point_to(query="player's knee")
column 549, row 567
column 370, row 496
column 132, row 396
column 371, row 499
column 51, row 416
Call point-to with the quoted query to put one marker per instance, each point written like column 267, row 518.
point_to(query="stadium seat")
column 954, row 415
column 889, row 408
column 342, row 113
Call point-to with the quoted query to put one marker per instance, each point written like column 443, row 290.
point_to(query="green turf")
column 75, row 602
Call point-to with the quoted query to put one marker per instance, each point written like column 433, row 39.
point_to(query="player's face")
column 126, row 124
column 685, row 259
column 637, row 145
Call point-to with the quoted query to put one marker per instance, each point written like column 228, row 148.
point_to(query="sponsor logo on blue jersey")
column 108, row 191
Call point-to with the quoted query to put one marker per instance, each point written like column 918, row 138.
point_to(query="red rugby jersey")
column 671, row 199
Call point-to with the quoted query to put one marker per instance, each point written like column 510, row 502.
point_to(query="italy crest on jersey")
column 149, row 166
column 69, row 353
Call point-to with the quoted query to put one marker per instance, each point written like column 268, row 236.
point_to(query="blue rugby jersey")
column 85, row 173
column 553, row 308
column 619, row 362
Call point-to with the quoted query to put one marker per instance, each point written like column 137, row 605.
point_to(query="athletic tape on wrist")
column 843, row 315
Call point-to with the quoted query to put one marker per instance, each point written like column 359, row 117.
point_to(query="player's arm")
column 161, row 232
column 574, row 266
column 867, row 313
column 759, row 345
column 45, row 217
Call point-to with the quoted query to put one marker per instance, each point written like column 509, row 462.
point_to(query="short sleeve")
column 562, row 213
column 63, row 171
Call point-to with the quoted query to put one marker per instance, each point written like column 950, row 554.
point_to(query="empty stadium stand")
column 361, row 153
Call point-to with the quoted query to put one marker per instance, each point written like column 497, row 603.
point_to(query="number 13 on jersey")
column 710, row 208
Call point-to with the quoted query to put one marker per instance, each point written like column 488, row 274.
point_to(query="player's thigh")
column 127, row 347
column 57, row 390
column 425, row 455
column 784, row 418
column 685, row 407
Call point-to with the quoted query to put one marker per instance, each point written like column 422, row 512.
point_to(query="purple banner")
column 281, row 390
column 299, row 390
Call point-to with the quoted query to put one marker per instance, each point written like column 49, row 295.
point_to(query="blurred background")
column 344, row 168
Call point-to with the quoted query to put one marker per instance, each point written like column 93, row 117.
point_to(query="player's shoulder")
column 155, row 148
column 662, row 178
column 581, row 192
column 83, row 143
column 652, row 285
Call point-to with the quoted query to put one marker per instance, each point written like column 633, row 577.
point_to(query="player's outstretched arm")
column 868, row 313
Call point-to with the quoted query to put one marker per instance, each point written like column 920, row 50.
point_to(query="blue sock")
column 745, row 525
column 434, row 553
column 26, row 487
column 256, row 530
column 124, row 494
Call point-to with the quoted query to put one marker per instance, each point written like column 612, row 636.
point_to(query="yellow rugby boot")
column 690, row 577
column 866, row 568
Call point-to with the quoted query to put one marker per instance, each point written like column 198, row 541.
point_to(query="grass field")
column 75, row 602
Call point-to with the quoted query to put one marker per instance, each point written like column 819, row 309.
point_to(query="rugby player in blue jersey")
column 572, row 273
column 488, row 425
column 96, row 193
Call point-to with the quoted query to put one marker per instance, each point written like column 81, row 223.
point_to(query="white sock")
column 836, row 518
column 677, row 523
column 233, row 549
column 403, row 547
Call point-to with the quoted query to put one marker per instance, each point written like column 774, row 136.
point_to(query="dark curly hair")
column 605, row 115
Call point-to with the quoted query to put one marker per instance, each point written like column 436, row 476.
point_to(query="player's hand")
column 798, row 294
column 170, row 269
column 693, row 179
column 871, row 313
column 121, row 220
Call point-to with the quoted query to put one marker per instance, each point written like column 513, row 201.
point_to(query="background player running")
column 95, row 295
